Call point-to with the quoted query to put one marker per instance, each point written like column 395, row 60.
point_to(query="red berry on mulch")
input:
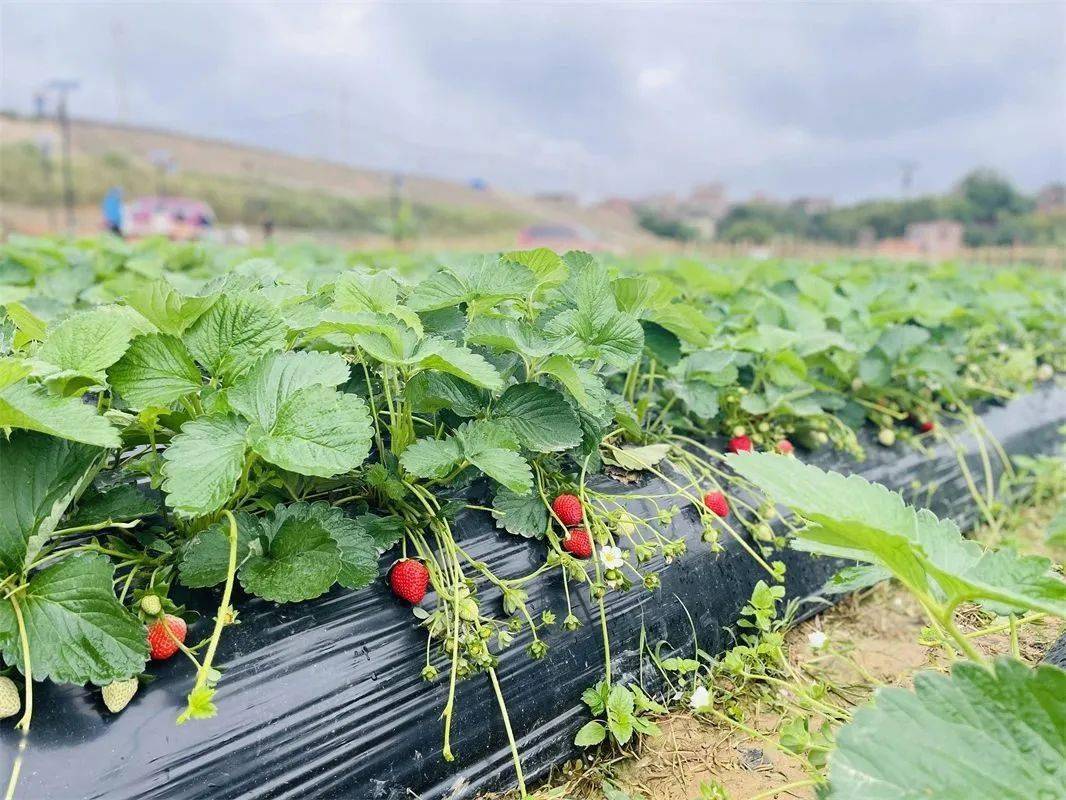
column 568, row 509
column 161, row 643
column 578, row 543
column 409, row 580
column 716, row 503
column 927, row 427
column 785, row 448
column 740, row 444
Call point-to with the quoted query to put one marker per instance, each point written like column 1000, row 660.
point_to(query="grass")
column 245, row 200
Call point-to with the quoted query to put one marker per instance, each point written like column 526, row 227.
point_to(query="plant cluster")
column 179, row 415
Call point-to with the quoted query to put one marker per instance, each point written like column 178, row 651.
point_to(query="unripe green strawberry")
column 151, row 605
column 117, row 695
column 10, row 702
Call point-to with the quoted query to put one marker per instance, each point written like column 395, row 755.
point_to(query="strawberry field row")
column 296, row 414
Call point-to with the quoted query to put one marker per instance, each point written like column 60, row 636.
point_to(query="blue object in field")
column 112, row 207
column 479, row 184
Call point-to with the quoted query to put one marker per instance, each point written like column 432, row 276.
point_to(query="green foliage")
column 77, row 630
column 257, row 396
column 852, row 518
column 42, row 476
column 666, row 227
column 980, row 732
column 625, row 712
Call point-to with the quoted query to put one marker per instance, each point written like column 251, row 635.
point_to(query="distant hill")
column 246, row 184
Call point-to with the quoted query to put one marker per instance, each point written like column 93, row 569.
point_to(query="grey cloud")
column 599, row 98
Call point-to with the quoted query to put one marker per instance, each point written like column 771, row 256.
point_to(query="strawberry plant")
column 184, row 415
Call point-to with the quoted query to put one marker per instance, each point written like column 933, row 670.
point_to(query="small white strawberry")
column 151, row 605
column 1045, row 372
column 10, row 701
column 886, row 436
column 117, row 695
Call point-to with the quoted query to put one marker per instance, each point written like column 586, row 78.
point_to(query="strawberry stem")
column 510, row 733
column 27, row 715
column 204, row 672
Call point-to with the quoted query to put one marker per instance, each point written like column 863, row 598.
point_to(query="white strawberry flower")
column 612, row 557
column 700, row 699
column 817, row 639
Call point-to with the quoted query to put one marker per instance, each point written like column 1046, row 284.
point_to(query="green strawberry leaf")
column 205, row 557
column 586, row 388
column 549, row 268
column 598, row 333
column 203, row 463
column 431, row 458
column 484, row 282
column 430, row 392
column 385, row 531
column 77, row 352
column 540, row 417
column 77, row 630
column 591, row 734
column 120, row 503
column 34, row 408
column 504, row 466
column 507, row 335
column 521, row 515
column 267, row 386
column 166, row 308
column 487, row 445
column 853, row 518
column 980, row 732
column 301, row 559
column 358, row 549
column 156, row 370
column 234, row 334
column 316, row 431
column 40, row 476
column 445, row 356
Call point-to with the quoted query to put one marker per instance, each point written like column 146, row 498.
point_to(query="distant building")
column 1051, row 198
column 709, row 200
column 701, row 209
column 941, row 237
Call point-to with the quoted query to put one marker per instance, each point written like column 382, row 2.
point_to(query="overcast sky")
column 620, row 98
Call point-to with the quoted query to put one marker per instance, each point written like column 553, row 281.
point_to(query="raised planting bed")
column 324, row 699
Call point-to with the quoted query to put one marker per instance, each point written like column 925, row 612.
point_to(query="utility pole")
column 63, row 88
column 906, row 177
column 44, row 147
column 394, row 207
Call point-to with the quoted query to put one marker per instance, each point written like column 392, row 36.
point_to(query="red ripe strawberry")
column 716, row 503
column 739, row 444
column 568, row 509
column 578, row 543
column 927, row 427
column 785, row 448
column 161, row 643
column 409, row 580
